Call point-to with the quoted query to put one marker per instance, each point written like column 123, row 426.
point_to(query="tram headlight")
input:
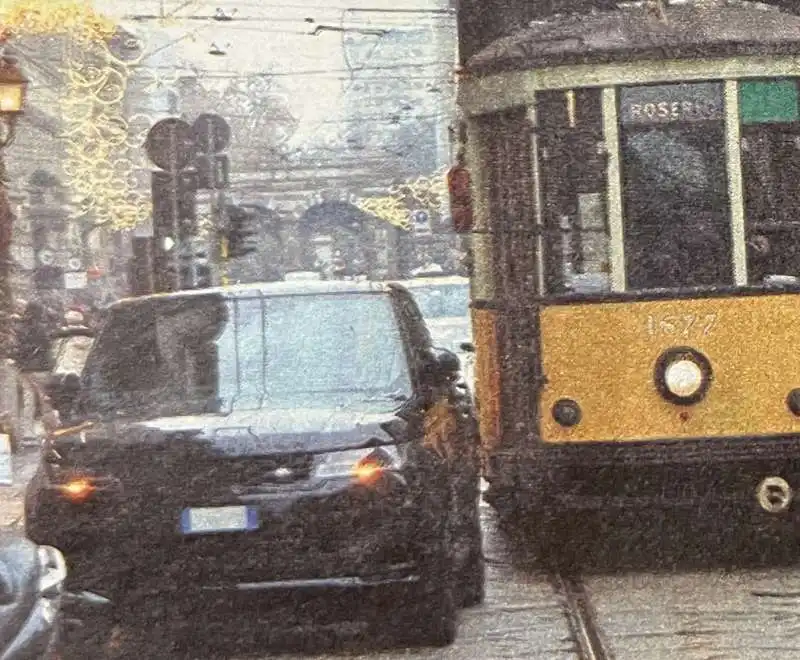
column 683, row 375
column 683, row 378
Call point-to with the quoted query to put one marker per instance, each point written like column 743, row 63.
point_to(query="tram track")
column 581, row 617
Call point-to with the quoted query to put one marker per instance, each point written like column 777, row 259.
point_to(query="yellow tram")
column 630, row 183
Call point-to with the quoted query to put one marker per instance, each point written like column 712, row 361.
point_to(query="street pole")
column 221, row 241
column 13, row 86
column 213, row 136
column 6, row 265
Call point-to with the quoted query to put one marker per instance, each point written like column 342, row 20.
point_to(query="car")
column 235, row 444
column 31, row 592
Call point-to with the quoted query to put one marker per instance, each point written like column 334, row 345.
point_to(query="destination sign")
column 661, row 104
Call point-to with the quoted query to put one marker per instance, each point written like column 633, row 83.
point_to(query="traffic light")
column 195, row 269
column 242, row 231
column 213, row 171
column 174, row 223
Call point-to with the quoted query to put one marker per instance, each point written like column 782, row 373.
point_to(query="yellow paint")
column 441, row 429
column 603, row 356
column 71, row 430
column 487, row 375
column 224, row 280
column 571, row 110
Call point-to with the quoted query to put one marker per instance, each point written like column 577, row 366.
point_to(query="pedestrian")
column 33, row 334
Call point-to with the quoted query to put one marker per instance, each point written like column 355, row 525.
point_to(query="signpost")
column 170, row 144
column 189, row 159
column 213, row 135
column 662, row 104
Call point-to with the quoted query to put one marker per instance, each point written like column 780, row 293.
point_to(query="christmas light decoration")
column 103, row 149
column 423, row 192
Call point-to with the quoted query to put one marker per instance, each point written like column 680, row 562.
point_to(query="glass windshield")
column 208, row 353
column 304, row 350
column 442, row 300
column 677, row 227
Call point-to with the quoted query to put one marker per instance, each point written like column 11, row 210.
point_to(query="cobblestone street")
column 11, row 497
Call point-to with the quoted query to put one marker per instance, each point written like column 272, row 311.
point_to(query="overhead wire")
column 97, row 129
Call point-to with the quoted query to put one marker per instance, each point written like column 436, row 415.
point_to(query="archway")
column 336, row 231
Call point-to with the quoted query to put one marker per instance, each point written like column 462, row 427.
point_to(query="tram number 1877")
column 681, row 325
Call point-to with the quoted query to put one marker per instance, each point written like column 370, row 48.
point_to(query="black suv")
column 288, row 439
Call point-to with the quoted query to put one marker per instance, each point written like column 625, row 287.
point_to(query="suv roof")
column 263, row 289
column 436, row 280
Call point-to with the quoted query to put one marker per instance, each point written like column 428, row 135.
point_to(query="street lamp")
column 13, row 86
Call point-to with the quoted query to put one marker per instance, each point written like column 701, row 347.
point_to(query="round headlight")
column 683, row 375
column 683, row 378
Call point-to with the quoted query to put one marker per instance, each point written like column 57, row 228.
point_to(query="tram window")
column 770, row 118
column 572, row 166
column 675, row 197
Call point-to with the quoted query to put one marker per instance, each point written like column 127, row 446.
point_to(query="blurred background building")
column 340, row 117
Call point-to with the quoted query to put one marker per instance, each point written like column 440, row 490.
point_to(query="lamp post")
column 13, row 86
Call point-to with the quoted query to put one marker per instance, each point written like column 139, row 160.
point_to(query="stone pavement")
column 11, row 497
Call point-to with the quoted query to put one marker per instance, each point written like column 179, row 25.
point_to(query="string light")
column 394, row 208
column 103, row 149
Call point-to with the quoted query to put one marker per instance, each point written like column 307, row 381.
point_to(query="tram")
column 630, row 183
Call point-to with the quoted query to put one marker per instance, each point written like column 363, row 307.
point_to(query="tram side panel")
column 609, row 359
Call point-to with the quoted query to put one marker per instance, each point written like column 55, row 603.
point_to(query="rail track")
column 581, row 617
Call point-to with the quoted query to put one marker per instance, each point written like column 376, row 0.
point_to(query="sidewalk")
column 11, row 497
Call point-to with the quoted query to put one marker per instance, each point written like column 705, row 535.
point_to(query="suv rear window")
column 174, row 356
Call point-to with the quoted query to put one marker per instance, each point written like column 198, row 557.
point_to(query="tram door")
column 572, row 166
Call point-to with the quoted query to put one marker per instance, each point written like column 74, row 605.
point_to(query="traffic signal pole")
column 213, row 136
column 190, row 159
column 221, row 242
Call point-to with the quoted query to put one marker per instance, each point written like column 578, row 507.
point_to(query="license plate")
column 208, row 520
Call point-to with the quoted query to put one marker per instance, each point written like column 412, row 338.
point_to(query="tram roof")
column 637, row 32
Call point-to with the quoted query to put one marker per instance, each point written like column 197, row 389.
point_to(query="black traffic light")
column 195, row 266
column 242, row 231
column 174, row 223
column 213, row 171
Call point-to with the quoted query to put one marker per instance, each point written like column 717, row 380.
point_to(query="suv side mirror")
column 447, row 362
column 467, row 347
column 440, row 366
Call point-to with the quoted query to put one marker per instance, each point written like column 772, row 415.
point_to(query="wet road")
column 522, row 617
column 640, row 613
column 701, row 615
